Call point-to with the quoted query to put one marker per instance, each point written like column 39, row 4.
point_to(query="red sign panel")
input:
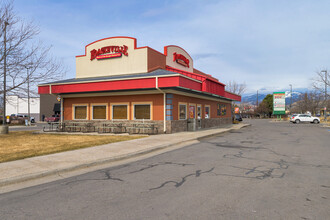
column 109, row 55
column 180, row 59
column 109, row 50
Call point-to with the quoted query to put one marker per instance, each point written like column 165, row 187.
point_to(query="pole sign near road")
column 279, row 103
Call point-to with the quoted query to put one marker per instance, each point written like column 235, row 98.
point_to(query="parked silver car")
column 304, row 118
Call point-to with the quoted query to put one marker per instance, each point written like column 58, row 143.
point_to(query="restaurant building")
column 118, row 82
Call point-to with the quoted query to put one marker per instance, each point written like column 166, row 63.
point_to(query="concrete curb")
column 24, row 178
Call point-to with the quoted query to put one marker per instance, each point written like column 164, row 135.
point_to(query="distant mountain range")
column 252, row 98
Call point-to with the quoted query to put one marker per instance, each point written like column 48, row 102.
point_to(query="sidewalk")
column 38, row 167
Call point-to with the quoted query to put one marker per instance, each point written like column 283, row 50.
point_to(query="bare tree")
column 309, row 101
column 27, row 59
column 234, row 87
column 320, row 82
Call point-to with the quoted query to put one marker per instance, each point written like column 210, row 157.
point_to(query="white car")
column 304, row 118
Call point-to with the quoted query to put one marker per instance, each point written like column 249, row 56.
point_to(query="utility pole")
column 257, row 99
column 28, row 93
column 290, row 97
column 5, row 128
column 325, row 93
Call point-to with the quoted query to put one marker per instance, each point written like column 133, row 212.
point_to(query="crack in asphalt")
column 250, row 142
column 311, row 165
column 237, row 146
column 240, row 155
column 227, row 145
column 259, row 173
column 160, row 164
column 265, row 173
column 177, row 184
column 107, row 176
column 252, row 148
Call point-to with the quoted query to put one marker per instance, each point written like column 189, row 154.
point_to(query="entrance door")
column 199, row 112
column 192, row 111
column 199, row 116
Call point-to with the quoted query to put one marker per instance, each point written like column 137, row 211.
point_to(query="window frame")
column 119, row 103
column 79, row 105
column 209, row 114
column 185, row 104
column 218, row 109
column 99, row 104
column 142, row 103
column 221, row 106
column 224, row 106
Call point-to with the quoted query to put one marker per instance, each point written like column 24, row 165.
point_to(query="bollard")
column 4, row 129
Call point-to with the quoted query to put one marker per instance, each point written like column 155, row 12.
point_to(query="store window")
column 99, row 112
column 142, row 111
column 182, row 111
column 80, row 112
column 192, row 111
column 207, row 111
column 221, row 110
column 119, row 112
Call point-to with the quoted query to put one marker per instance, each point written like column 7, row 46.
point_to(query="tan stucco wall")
column 178, row 50
column 135, row 62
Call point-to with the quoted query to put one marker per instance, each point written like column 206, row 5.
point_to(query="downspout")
column 61, row 109
column 164, row 103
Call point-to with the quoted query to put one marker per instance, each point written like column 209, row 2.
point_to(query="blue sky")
column 266, row 44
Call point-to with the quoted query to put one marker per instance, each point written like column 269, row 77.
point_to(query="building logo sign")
column 279, row 103
column 109, row 52
column 180, row 59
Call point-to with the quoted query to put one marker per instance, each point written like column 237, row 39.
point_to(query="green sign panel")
column 279, row 103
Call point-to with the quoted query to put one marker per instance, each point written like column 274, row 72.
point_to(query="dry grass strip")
column 23, row 144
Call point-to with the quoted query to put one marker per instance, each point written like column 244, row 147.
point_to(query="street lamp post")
column 257, row 99
column 5, row 128
column 28, row 92
column 325, row 93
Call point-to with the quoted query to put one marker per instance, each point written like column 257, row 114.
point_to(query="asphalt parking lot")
column 269, row 170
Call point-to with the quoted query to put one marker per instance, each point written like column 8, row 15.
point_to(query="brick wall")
column 182, row 125
column 171, row 126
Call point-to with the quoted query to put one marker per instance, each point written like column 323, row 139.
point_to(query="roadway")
column 269, row 170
